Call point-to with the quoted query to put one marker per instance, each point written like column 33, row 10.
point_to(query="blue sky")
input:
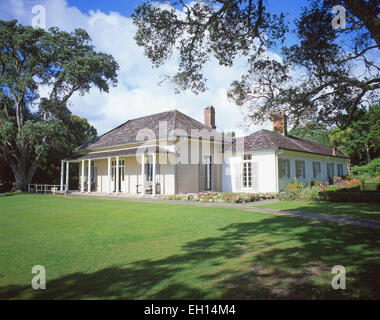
column 126, row 7
column 138, row 93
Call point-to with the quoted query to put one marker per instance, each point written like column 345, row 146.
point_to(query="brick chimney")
column 280, row 124
column 210, row 117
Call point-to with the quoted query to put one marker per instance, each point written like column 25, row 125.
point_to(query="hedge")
column 372, row 185
column 371, row 169
column 349, row 189
column 371, row 196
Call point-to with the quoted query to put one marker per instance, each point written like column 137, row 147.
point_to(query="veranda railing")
column 46, row 188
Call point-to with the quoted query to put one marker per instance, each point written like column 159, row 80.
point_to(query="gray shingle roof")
column 118, row 153
column 127, row 132
column 270, row 140
column 179, row 124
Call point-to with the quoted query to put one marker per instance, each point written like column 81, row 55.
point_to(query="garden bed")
column 354, row 189
column 222, row 197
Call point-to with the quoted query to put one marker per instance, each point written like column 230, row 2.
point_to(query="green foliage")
column 81, row 131
column 77, row 131
column 372, row 169
column 361, row 196
column 373, row 137
column 361, row 139
column 222, row 197
column 357, row 210
column 313, row 131
column 372, row 185
column 295, row 186
column 325, row 87
column 223, row 30
column 107, row 249
column 61, row 62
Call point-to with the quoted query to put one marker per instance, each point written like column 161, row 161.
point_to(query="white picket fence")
column 46, row 188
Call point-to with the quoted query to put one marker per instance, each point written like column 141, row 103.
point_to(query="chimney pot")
column 209, row 114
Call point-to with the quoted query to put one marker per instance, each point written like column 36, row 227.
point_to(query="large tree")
column 326, row 76
column 56, row 63
column 361, row 139
column 314, row 131
column 78, row 132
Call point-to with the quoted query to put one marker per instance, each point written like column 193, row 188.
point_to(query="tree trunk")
column 23, row 175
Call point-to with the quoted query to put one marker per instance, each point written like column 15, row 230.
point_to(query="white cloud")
column 137, row 93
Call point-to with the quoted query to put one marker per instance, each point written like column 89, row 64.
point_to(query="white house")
column 170, row 152
column 271, row 160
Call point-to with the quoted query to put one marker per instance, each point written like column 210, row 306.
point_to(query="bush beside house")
column 222, row 197
column 350, row 189
column 371, row 169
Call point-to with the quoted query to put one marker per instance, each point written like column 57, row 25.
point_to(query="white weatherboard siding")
column 266, row 173
column 191, row 168
column 309, row 159
column 167, row 178
column 263, row 173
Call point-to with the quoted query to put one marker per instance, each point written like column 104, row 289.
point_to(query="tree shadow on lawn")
column 358, row 210
column 278, row 258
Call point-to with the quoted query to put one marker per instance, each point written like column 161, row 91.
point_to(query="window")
column 330, row 170
column 121, row 169
column 316, row 169
column 284, row 168
column 149, row 169
column 93, row 172
column 207, row 160
column 247, row 171
column 149, row 172
column 300, row 169
column 340, row 169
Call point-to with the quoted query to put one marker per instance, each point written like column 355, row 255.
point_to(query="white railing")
column 46, row 188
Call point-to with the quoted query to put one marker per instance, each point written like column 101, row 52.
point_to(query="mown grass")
column 109, row 249
column 358, row 210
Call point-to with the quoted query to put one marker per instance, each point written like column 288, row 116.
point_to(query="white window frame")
column 208, row 161
column 315, row 173
column 149, row 169
column 247, row 167
column 340, row 174
column 330, row 165
column 303, row 175
column 281, row 168
column 122, row 170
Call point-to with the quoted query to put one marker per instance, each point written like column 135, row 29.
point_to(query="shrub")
column 222, row 197
column 372, row 185
column 357, row 196
column 371, row 169
column 295, row 186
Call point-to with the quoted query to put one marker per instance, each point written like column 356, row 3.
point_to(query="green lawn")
column 358, row 210
column 95, row 249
